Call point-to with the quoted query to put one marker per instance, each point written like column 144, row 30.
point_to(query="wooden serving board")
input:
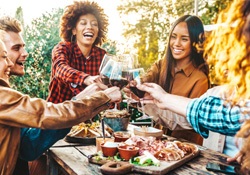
column 164, row 167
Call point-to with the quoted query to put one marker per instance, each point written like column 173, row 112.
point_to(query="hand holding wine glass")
column 137, row 74
column 136, row 79
column 119, row 75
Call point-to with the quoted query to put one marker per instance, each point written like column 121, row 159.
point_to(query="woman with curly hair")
column 228, row 50
column 76, row 59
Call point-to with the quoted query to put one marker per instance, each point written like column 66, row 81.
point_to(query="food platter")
column 164, row 167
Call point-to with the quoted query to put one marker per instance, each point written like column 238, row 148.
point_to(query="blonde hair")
column 228, row 49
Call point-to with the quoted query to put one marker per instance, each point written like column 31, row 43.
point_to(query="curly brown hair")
column 74, row 11
column 228, row 48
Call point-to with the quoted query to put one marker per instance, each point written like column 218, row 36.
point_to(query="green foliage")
column 211, row 10
column 19, row 15
column 110, row 47
column 41, row 36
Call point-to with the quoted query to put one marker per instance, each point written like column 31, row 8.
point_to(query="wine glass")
column 105, row 60
column 131, row 60
column 106, row 68
column 119, row 76
column 137, row 74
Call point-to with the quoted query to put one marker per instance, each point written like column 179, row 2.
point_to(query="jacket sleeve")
column 20, row 110
column 34, row 141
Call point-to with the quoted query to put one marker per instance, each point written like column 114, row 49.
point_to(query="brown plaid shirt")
column 70, row 68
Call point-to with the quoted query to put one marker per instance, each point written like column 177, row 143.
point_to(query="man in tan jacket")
column 18, row 110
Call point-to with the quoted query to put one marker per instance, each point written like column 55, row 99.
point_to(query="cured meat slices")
column 162, row 150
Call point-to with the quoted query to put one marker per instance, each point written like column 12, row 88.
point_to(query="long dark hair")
column 196, row 34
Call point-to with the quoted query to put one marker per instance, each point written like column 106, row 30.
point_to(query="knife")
column 103, row 130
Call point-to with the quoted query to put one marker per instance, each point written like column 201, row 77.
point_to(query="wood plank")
column 72, row 161
column 63, row 143
column 87, row 150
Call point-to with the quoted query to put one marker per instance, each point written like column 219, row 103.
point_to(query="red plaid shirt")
column 70, row 68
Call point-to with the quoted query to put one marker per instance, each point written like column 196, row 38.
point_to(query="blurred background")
column 136, row 26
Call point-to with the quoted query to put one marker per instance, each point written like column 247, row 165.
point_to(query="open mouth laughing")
column 20, row 63
column 88, row 35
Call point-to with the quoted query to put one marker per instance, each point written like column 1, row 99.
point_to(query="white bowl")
column 148, row 131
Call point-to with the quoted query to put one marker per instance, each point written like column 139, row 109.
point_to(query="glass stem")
column 115, row 107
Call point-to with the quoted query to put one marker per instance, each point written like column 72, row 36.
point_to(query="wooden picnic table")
column 72, row 159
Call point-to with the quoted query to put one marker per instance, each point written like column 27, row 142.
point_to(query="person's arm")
column 34, row 141
column 37, row 113
column 212, row 113
column 167, row 118
column 157, row 95
column 204, row 114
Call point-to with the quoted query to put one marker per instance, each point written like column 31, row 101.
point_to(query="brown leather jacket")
column 18, row 110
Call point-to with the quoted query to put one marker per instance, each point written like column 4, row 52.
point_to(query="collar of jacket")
column 4, row 83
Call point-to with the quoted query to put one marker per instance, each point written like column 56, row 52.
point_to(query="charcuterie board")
column 165, row 166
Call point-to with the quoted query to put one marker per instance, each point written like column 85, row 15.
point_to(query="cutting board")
column 164, row 167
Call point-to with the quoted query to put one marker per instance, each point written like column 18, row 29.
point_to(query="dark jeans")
column 21, row 168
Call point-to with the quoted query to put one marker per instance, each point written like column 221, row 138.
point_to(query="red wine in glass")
column 105, row 80
column 137, row 91
column 119, row 83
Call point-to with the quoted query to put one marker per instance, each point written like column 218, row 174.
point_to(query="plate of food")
column 86, row 133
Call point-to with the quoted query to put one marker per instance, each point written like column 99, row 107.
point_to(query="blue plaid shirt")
column 211, row 113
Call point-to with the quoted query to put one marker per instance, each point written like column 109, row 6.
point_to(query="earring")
column 72, row 38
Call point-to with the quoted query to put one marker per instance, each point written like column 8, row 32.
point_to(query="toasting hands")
column 113, row 93
column 154, row 94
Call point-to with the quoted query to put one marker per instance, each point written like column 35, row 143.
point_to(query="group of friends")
column 178, row 93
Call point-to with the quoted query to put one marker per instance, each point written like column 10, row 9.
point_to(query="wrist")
column 74, row 98
column 85, row 81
